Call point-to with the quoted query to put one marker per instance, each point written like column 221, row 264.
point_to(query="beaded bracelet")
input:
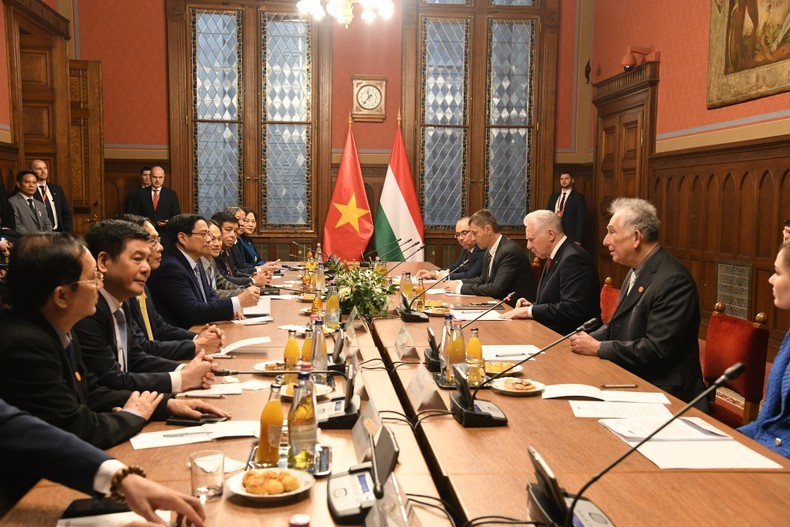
column 118, row 477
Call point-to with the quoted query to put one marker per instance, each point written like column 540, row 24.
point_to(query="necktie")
column 50, row 213
column 212, row 279
column 34, row 211
column 562, row 203
column 548, row 265
column 146, row 320
column 226, row 259
column 156, row 198
column 200, row 283
column 490, row 265
column 631, row 282
column 120, row 319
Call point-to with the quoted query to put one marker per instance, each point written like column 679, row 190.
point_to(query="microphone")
column 415, row 244
column 378, row 488
column 481, row 315
column 730, row 373
column 390, row 244
column 406, row 313
column 474, row 413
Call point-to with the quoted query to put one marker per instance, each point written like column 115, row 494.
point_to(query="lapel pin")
column 78, row 376
column 641, row 289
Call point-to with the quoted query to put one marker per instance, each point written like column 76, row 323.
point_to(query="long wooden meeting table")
column 480, row 471
column 484, row 471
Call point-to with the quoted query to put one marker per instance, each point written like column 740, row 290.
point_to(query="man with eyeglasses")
column 181, row 290
column 224, row 286
column 109, row 346
column 152, row 332
column 227, row 263
column 54, row 283
column 468, row 265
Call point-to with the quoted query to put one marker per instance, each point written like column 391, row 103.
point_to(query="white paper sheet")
column 281, row 297
column 219, row 388
column 704, row 455
column 510, row 352
column 194, row 434
column 556, row 391
column 599, row 409
column 263, row 307
column 471, row 315
column 683, row 429
column 110, row 520
column 250, row 345
column 253, row 321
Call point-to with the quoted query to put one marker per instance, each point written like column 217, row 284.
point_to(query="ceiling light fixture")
column 343, row 10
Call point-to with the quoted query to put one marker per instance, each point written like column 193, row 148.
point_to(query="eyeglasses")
column 460, row 234
column 204, row 234
column 98, row 279
column 156, row 240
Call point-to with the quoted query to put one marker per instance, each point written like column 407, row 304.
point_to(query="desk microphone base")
column 432, row 361
column 542, row 510
column 485, row 414
column 412, row 316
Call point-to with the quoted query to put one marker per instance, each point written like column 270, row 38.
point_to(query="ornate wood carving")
column 41, row 14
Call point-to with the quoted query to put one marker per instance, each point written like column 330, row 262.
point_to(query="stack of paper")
column 472, row 315
column 263, row 307
column 556, row 391
column 195, row 434
column 250, row 345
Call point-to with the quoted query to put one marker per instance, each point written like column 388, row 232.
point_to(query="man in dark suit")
column 30, row 215
column 53, row 284
column 506, row 267
column 653, row 332
column 229, row 262
column 53, row 198
column 151, row 331
column 468, row 265
column 110, row 350
column 145, row 182
column 157, row 202
column 571, row 207
column 180, row 288
column 33, row 449
column 569, row 290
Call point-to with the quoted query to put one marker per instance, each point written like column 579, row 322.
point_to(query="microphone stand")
column 406, row 314
column 396, row 242
column 477, row 413
column 481, row 315
column 730, row 373
column 415, row 244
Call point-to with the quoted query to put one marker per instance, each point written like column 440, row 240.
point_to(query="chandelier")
column 342, row 10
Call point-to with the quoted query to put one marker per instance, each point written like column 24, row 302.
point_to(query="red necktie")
column 156, row 198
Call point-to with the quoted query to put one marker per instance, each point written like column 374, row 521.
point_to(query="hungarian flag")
column 349, row 223
column 399, row 211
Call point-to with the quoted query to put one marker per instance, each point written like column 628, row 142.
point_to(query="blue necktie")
column 200, row 283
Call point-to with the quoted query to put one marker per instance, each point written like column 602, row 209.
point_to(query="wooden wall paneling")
column 730, row 211
column 179, row 90
column 121, row 177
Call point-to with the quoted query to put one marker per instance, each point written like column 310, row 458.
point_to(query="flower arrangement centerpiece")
column 363, row 288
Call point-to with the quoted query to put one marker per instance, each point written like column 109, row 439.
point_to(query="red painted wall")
column 5, row 103
column 366, row 49
column 680, row 30
column 130, row 40
column 566, row 72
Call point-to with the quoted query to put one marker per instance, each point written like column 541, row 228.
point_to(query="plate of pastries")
column 517, row 387
column 436, row 308
column 271, row 485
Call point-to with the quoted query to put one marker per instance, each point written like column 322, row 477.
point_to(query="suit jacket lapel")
column 486, row 264
column 643, row 280
column 547, row 273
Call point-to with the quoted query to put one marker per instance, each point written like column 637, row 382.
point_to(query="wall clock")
column 369, row 97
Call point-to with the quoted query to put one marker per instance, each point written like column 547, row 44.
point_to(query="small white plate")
column 234, row 484
column 321, row 390
column 270, row 367
column 499, row 387
column 504, row 365
column 306, row 311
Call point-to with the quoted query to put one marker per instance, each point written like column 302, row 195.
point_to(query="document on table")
column 471, row 315
column 509, row 352
column 281, row 297
column 263, row 307
column 215, row 390
column 689, row 442
column 250, row 345
column 598, row 409
column 556, row 391
column 195, row 434
column 110, row 520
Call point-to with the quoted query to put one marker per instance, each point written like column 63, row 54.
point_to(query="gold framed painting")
column 749, row 52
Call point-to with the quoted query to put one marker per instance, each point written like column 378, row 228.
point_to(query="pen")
column 510, row 355
column 207, row 396
column 182, row 434
column 223, row 356
column 618, row 386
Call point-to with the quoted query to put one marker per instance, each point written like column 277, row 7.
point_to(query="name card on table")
column 394, row 509
column 423, row 393
column 405, row 345
column 368, row 424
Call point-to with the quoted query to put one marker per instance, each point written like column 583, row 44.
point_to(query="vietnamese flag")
column 349, row 224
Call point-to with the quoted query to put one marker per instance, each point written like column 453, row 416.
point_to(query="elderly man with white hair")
column 569, row 290
column 653, row 332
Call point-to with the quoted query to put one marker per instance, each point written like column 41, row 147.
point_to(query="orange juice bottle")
column 291, row 358
column 419, row 296
column 475, row 366
column 271, row 430
column 307, row 347
column 406, row 285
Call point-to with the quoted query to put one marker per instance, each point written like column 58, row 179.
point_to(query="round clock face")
column 369, row 97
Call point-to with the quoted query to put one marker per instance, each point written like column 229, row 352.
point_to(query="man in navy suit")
column 653, row 332
column 33, row 449
column 506, row 268
column 157, row 202
column 569, row 289
column 571, row 207
column 181, row 290
column 109, row 346
column 468, row 265
column 53, row 198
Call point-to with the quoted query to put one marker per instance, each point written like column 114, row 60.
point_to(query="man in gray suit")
column 29, row 213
